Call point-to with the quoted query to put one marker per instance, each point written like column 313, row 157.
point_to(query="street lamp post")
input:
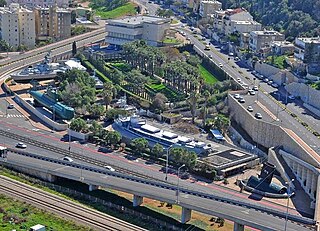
column 167, row 162
column 178, row 182
column 6, row 106
column 288, row 196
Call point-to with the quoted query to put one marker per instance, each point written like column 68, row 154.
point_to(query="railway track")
column 73, row 155
column 63, row 207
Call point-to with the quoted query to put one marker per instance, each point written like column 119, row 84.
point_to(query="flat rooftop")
column 266, row 32
column 136, row 20
column 310, row 40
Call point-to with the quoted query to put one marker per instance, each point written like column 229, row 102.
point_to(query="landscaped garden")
column 207, row 76
column 113, row 8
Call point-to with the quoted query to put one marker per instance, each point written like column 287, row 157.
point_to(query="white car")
column 21, row 145
column 251, row 92
column 10, row 106
column 250, row 108
column 255, row 88
column 241, row 100
column 275, row 85
column 109, row 168
column 237, row 96
column 220, row 65
column 258, row 115
column 292, row 97
column 239, row 80
column 67, row 158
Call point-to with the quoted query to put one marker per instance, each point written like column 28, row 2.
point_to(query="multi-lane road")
column 243, row 215
column 237, row 70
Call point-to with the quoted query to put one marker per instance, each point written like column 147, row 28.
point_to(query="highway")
column 232, row 68
column 243, row 215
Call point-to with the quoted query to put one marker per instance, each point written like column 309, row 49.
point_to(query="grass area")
column 17, row 215
column 158, row 87
column 207, row 76
column 170, row 40
column 174, row 21
column 278, row 61
column 124, row 67
column 127, row 9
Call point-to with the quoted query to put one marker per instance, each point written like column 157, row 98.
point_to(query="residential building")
column 232, row 26
column 307, row 50
column 52, row 23
column 148, row 28
column 41, row 3
column 208, row 7
column 262, row 39
column 282, row 47
column 244, row 40
column 17, row 26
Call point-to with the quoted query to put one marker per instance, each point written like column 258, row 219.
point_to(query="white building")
column 42, row 3
column 263, row 39
column 17, row 26
column 208, row 7
column 241, row 27
column 307, row 49
column 74, row 64
column 150, row 29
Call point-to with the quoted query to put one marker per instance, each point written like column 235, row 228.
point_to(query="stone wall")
column 306, row 93
column 266, row 69
column 268, row 134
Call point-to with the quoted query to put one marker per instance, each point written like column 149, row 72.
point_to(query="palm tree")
column 206, row 95
column 222, row 122
column 108, row 93
column 193, row 103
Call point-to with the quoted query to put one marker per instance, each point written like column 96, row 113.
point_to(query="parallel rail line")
column 61, row 206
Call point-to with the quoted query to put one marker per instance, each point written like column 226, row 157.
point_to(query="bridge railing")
column 185, row 190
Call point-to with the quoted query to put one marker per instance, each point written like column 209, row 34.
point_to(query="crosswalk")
column 11, row 116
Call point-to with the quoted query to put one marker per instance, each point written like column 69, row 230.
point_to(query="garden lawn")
column 279, row 61
column 30, row 216
column 162, row 88
column 127, row 9
column 207, row 76
column 171, row 40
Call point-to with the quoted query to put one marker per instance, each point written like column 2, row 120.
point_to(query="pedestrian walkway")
column 11, row 116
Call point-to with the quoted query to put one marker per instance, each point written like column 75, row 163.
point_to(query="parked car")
column 237, row 96
column 251, row 92
column 266, row 80
column 236, row 59
column 270, row 82
column 250, row 108
column 67, row 158
column 21, row 145
column 241, row 100
column 239, row 80
column 220, row 65
column 275, row 85
column 10, row 106
column 292, row 97
column 255, row 88
column 210, row 56
column 258, row 115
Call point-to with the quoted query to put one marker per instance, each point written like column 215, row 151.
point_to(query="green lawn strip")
column 127, row 9
column 278, row 61
column 207, row 76
column 171, row 41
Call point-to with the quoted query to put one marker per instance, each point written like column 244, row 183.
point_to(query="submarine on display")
column 49, row 100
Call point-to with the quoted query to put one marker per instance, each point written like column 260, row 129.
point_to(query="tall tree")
column 107, row 93
column 193, row 98
column 206, row 96
column 74, row 48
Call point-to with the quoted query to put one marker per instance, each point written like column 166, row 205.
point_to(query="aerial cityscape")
column 160, row 115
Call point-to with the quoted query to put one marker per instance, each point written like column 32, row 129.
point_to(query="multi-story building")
column 232, row 26
column 17, row 26
column 208, row 7
column 307, row 50
column 150, row 29
column 52, row 23
column 41, row 3
column 282, row 47
column 262, row 39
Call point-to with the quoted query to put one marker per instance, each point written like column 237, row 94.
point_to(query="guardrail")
column 291, row 217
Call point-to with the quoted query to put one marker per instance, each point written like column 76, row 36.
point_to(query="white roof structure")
column 184, row 139
column 72, row 64
column 150, row 128
column 169, row 135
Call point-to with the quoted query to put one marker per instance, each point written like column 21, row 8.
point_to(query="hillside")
column 291, row 17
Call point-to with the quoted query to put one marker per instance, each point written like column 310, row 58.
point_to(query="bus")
column 3, row 152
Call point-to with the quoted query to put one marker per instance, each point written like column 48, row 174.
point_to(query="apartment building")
column 148, row 28
column 238, row 20
column 41, row 3
column 52, row 23
column 307, row 50
column 17, row 26
column 262, row 39
column 208, row 7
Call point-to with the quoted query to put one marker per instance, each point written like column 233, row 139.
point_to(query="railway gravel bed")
column 63, row 207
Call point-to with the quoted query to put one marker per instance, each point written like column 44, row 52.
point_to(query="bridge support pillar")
column 93, row 187
column 137, row 200
column 238, row 227
column 185, row 215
